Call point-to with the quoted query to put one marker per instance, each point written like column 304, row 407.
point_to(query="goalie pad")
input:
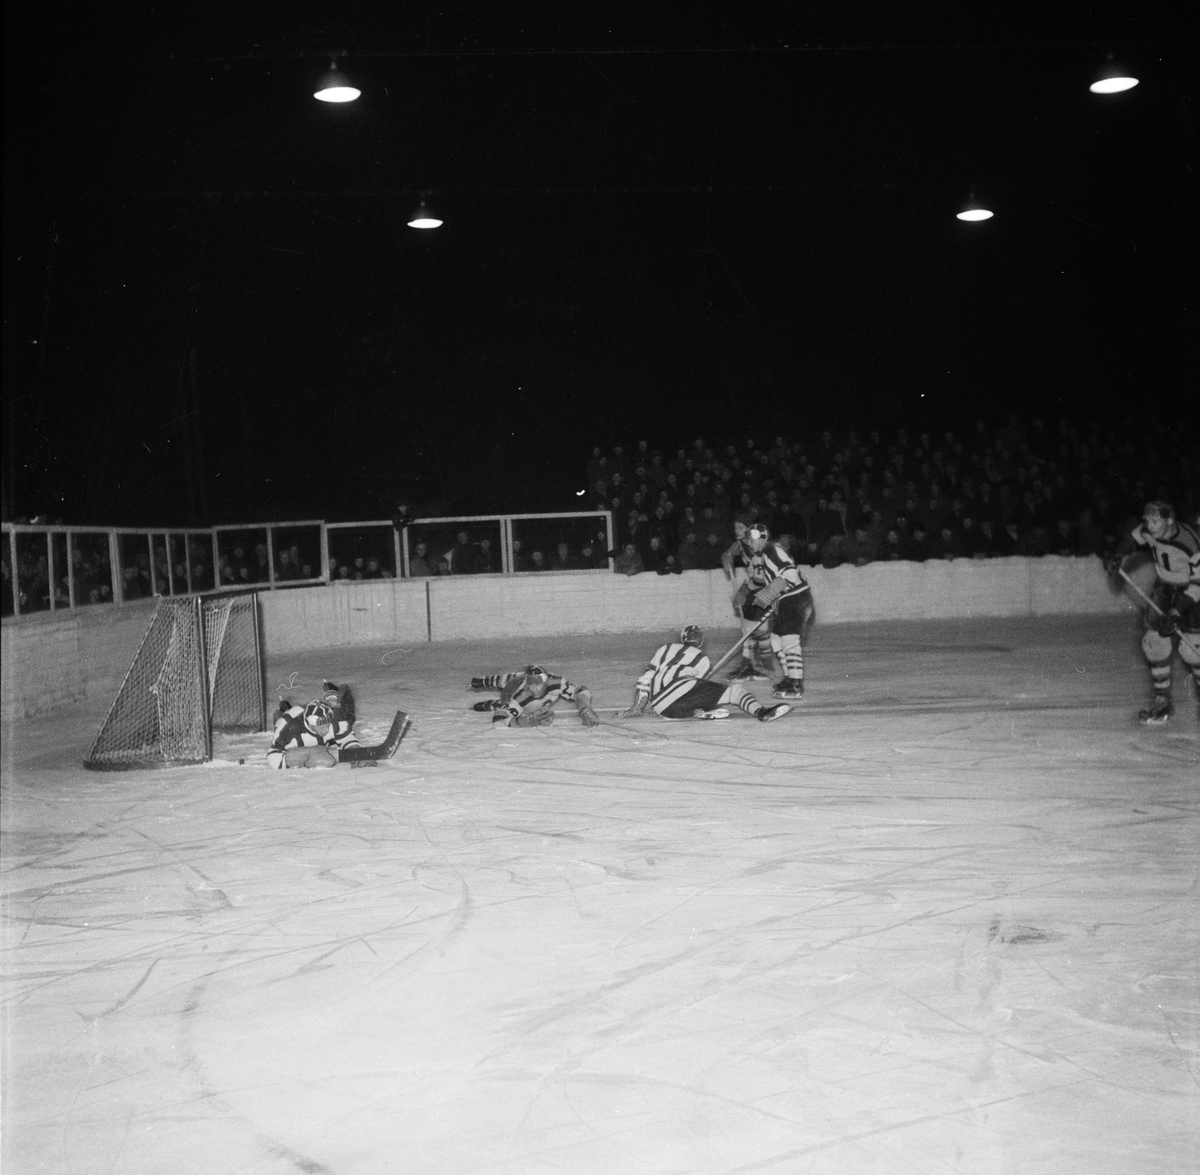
column 308, row 757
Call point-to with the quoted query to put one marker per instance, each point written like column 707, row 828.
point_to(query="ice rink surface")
column 942, row 918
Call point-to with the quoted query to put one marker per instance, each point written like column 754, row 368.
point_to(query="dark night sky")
column 214, row 309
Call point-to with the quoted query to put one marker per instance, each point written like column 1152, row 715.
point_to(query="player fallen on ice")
column 674, row 685
column 527, row 697
column 757, row 650
column 321, row 733
column 780, row 589
column 1172, row 617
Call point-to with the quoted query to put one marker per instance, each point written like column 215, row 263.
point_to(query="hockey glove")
column 478, row 683
column 1112, row 566
column 638, row 708
column 589, row 717
column 542, row 716
column 1169, row 622
column 765, row 597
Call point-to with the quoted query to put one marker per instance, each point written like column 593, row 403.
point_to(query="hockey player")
column 1174, row 620
column 756, row 644
column 314, row 735
column 674, row 685
column 784, row 591
column 527, row 697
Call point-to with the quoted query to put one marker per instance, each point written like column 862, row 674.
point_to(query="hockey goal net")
column 198, row 669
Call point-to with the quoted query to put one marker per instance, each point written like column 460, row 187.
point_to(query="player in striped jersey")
column 527, row 697
column 314, row 735
column 1175, row 547
column 784, row 591
column 674, row 685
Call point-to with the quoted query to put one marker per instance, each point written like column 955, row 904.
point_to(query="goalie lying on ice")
column 527, row 697
column 314, row 735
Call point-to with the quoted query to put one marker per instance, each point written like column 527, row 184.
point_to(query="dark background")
column 654, row 228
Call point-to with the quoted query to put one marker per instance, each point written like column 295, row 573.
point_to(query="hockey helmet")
column 757, row 536
column 536, row 680
column 318, row 718
column 690, row 634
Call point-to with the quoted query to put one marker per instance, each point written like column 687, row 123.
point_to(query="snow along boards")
column 385, row 749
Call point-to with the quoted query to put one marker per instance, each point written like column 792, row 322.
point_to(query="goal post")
column 198, row 669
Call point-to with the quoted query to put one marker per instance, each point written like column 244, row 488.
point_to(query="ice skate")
column 747, row 672
column 789, row 687
column 1157, row 713
column 770, row 713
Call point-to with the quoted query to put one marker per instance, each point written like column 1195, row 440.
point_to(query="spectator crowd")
column 1021, row 489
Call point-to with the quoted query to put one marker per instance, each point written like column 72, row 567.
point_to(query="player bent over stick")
column 1172, row 616
column 527, row 697
column 780, row 588
column 674, row 685
column 321, row 734
column 757, row 649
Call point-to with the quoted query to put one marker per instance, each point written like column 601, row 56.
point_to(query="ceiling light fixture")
column 335, row 87
column 1112, row 79
column 423, row 218
column 973, row 210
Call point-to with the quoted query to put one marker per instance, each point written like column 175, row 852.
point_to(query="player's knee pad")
column 1156, row 648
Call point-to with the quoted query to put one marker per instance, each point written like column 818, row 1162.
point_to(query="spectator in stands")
column 862, row 547
column 419, row 564
column 689, row 554
column 563, row 560
column 537, row 561
column 713, row 548
column 629, row 561
column 461, row 557
column 486, row 558
column 659, row 560
column 592, row 556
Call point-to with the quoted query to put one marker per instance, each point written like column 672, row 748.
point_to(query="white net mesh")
column 163, row 713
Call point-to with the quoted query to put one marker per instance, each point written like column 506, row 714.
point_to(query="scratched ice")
column 941, row 919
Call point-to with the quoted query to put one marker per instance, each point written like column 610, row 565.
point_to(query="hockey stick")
column 736, row 649
column 385, row 749
column 1182, row 636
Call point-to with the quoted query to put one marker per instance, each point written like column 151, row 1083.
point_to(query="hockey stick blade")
column 385, row 749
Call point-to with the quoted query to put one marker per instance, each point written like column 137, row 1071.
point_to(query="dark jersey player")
column 779, row 588
column 1174, row 621
column 527, row 697
column 674, row 686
